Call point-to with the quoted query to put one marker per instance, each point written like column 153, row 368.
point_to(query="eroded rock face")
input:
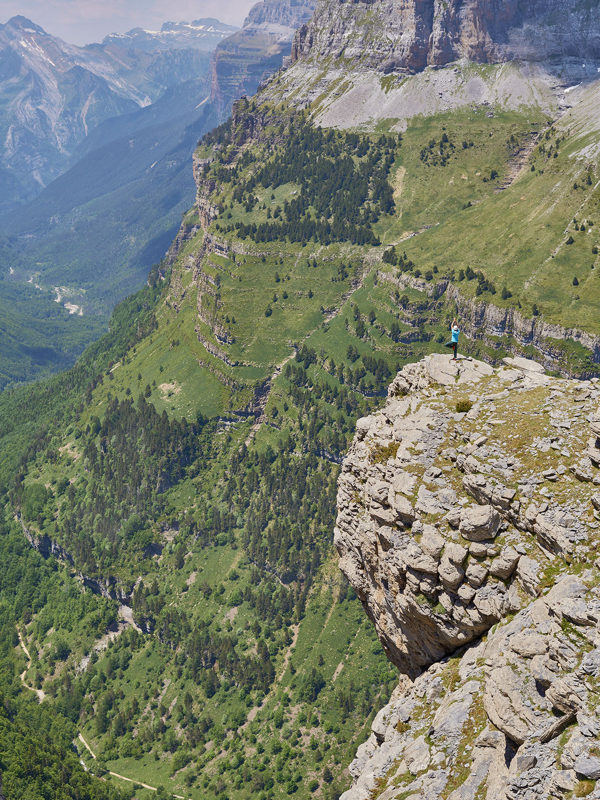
column 394, row 35
column 511, row 717
column 468, row 526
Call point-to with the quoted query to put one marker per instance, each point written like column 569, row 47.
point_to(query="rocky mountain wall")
column 469, row 524
column 242, row 61
column 394, row 35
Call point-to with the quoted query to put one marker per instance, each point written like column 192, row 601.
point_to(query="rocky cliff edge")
column 468, row 524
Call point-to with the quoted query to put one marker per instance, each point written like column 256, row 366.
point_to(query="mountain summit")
column 19, row 22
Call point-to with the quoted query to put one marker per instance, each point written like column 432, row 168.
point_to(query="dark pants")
column 454, row 346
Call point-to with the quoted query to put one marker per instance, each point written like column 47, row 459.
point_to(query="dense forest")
column 106, row 500
column 340, row 179
column 37, row 757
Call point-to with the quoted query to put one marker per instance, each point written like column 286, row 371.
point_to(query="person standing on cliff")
column 453, row 343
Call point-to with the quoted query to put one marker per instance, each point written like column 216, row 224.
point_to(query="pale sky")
column 85, row 21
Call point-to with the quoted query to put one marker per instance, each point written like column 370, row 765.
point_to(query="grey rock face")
column 455, row 542
column 588, row 766
column 478, row 523
column 421, row 33
column 247, row 57
column 491, row 707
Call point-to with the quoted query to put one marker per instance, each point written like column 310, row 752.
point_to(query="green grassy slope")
column 535, row 234
column 195, row 458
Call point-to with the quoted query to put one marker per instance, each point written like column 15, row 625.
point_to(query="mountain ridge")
column 54, row 93
column 362, row 63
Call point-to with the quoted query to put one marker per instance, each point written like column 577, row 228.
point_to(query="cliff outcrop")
column 468, row 524
column 247, row 57
column 485, row 322
column 408, row 36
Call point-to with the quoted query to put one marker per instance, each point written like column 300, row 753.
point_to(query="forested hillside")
column 180, row 480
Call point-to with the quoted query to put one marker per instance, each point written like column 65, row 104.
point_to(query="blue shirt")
column 455, row 332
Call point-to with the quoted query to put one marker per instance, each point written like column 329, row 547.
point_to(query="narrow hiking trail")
column 124, row 777
column 344, row 660
column 41, row 695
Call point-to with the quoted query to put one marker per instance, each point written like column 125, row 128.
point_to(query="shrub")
column 381, row 453
column 311, row 686
column 35, row 498
column 61, row 650
column 462, row 406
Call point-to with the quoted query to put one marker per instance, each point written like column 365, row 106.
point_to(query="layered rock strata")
column 395, row 35
column 357, row 63
column 247, row 57
column 468, row 524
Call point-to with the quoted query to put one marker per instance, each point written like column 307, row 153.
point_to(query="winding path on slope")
column 42, row 695
column 124, row 777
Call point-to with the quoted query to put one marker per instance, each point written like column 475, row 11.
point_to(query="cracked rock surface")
column 468, row 524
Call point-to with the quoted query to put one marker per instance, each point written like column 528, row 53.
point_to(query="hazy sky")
column 84, row 21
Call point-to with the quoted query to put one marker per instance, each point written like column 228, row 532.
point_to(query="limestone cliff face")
column 394, row 35
column 468, row 524
column 483, row 321
column 245, row 59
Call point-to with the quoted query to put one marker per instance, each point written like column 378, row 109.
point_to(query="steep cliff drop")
column 367, row 60
column 421, row 33
column 468, row 524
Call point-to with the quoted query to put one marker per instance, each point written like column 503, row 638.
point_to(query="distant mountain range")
column 53, row 94
column 120, row 186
